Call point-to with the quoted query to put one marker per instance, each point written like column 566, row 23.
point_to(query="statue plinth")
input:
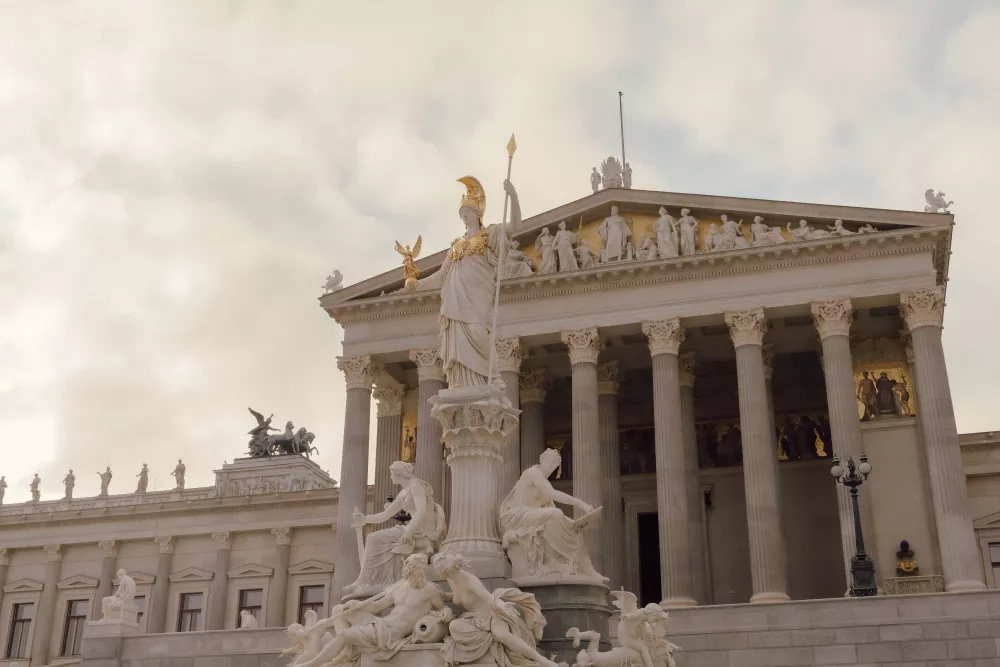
column 477, row 422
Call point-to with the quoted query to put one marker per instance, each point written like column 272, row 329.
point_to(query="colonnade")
column 684, row 576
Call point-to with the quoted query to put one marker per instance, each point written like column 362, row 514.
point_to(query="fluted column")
column 532, row 395
column 665, row 338
column 42, row 635
column 388, row 442
column 359, row 373
column 607, row 413
column 584, row 346
column 696, row 519
column 767, row 548
column 961, row 566
column 833, row 322
column 430, row 447
column 106, row 583
column 4, row 563
column 215, row 619
column 277, row 593
column 768, row 356
column 510, row 353
column 157, row 619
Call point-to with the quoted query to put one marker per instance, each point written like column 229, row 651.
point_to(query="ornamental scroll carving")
column 390, row 400
column 665, row 336
column 584, row 345
column 923, row 308
column 359, row 371
column 510, row 354
column 832, row 318
column 747, row 327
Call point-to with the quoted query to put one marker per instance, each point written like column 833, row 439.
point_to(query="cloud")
column 176, row 179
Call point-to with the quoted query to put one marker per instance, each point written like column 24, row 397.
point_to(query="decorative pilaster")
column 388, row 441
column 696, row 518
column 215, row 619
column 4, row 564
column 611, row 483
column 106, row 583
column 156, row 622
column 510, row 354
column 961, row 566
column 359, row 373
column 532, row 394
column 430, row 449
column 584, row 346
column 833, row 323
column 767, row 547
column 45, row 615
column 278, row 592
column 665, row 338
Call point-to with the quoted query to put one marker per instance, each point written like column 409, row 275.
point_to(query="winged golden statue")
column 410, row 269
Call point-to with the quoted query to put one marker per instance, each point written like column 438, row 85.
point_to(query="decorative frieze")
column 607, row 378
column 747, row 327
column 282, row 536
column 109, row 547
column 390, row 400
column 533, row 386
column 832, row 318
column 687, row 363
column 584, row 345
column 510, row 354
column 923, row 308
column 358, row 371
column 665, row 336
column 165, row 542
column 428, row 361
column 222, row 540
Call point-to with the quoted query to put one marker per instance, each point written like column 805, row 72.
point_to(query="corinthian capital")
column 665, row 336
column 222, row 540
column 428, row 361
column 607, row 377
column 832, row 318
column 923, row 308
column 746, row 327
column 767, row 353
column 4, row 557
column 165, row 542
column 510, row 354
column 584, row 345
column 282, row 536
column 359, row 371
column 390, row 400
column 109, row 547
column 686, row 367
column 533, row 386
column 53, row 551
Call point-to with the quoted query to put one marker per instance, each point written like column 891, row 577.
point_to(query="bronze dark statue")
column 263, row 443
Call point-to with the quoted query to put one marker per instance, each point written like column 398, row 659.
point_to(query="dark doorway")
column 649, row 559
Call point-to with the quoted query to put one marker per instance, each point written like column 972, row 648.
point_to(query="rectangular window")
column 190, row 614
column 140, row 603
column 251, row 600
column 20, row 624
column 76, row 618
column 995, row 561
column 311, row 597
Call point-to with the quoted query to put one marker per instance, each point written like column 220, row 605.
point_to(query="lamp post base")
column 863, row 576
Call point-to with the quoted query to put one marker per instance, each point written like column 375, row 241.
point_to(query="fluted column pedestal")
column 676, row 576
column 430, row 450
column 961, row 562
column 106, row 582
column 699, row 562
column 215, row 619
column 532, row 395
column 278, row 591
column 157, row 606
column 584, row 346
column 510, row 353
column 767, row 548
column 476, row 422
column 359, row 372
column 607, row 414
column 388, row 443
column 46, row 612
column 833, row 322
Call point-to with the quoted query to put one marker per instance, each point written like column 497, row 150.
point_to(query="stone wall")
column 227, row 648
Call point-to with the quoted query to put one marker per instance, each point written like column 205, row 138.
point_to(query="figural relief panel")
column 883, row 386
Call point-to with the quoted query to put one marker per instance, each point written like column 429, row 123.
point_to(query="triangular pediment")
column 78, row 581
column 250, row 570
column 24, row 586
column 311, row 566
column 140, row 578
column 191, row 574
column 988, row 521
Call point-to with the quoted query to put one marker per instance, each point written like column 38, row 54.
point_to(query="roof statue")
column 291, row 441
column 936, row 202
column 334, row 282
column 611, row 173
column 410, row 270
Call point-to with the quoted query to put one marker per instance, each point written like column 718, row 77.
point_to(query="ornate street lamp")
column 862, row 566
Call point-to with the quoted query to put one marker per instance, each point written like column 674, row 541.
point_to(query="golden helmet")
column 474, row 195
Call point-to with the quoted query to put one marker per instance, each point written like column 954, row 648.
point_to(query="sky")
column 178, row 177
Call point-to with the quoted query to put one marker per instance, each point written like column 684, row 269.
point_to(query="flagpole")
column 621, row 126
column 511, row 147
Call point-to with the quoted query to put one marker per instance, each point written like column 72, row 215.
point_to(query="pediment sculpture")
column 641, row 638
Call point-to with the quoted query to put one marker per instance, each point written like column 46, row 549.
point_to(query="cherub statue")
column 641, row 638
column 334, row 282
column 936, row 202
column 410, row 269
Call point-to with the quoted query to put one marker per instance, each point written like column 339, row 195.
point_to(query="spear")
column 511, row 147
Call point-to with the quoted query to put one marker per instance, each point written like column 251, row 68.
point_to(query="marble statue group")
column 69, row 482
